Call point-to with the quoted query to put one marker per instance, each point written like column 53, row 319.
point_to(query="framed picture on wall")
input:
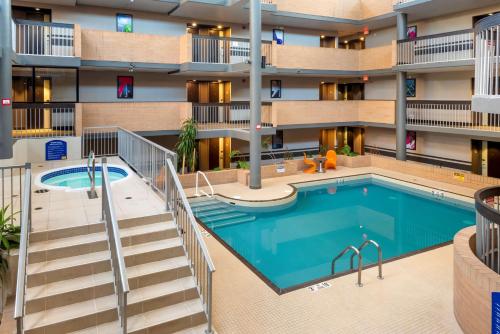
column 279, row 36
column 275, row 89
column 125, row 87
column 124, row 23
column 411, row 87
column 411, row 140
column 411, row 32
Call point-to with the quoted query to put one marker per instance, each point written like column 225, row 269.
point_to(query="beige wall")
column 304, row 57
column 314, row 112
column 473, row 283
column 136, row 116
column 118, row 46
column 348, row 9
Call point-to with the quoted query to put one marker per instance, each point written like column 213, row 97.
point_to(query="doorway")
column 494, row 159
column 327, row 91
column 31, row 14
column 351, row 91
column 208, row 91
column 214, row 153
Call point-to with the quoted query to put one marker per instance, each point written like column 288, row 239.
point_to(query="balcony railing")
column 487, row 80
column 37, row 120
column 44, row 38
column 450, row 114
column 488, row 227
column 453, row 46
column 225, row 50
column 216, row 116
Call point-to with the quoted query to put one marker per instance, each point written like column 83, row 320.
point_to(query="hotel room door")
column 494, row 159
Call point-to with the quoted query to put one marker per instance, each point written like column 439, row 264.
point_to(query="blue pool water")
column 77, row 177
column 296, row 244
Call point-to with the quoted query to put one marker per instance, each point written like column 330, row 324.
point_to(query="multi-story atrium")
column 250, row 166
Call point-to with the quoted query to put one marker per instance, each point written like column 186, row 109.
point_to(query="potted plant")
column 232, row 155
column 347, row 151
column 322, row 150
column 243, row 164
column 186, row 146
column 10, row 235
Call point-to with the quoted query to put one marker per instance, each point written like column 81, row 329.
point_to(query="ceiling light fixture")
column 194, row 24
column 322, row 36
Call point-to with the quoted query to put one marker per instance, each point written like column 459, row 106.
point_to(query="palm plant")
column 186, row 146
column 9, row 239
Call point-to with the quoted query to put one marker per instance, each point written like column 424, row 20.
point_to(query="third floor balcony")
column 449, row 49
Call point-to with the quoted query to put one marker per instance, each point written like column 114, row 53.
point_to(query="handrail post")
column 209, row 301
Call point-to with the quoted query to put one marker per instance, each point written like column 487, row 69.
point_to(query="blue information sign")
column 56, row 150
column 495, row 313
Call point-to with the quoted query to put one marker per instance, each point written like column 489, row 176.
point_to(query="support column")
column 6, row 79
column 401, row 96
column 255, row 93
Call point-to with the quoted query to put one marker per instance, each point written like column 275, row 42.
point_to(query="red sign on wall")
column 258, row 126
column 6, row 102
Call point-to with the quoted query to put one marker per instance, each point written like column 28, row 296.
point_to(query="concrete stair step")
column 72, row 317
column 61, row 293
column 147, row 233
column 141, row 221
column 67, row 247
column 66, row 232
column 200, row 329
column 159, row 271
column 159, row 295
column 67, row 268
column 152, row 251
column 169, row 319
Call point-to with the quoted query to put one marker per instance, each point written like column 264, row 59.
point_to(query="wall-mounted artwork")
column 276, row 89
column 411, row 87
column 124, row 23
column 411, row 32
column 125, row 87
column 279, row 36
column 411, row 140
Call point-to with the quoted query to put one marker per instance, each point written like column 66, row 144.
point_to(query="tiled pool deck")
column 415, row 296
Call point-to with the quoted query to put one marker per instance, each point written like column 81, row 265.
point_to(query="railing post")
column 209, row 301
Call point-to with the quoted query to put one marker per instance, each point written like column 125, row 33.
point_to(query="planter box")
column 354, row 162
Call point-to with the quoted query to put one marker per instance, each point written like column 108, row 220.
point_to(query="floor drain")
column 128, row 197
column 41, row 191
column 38, row 208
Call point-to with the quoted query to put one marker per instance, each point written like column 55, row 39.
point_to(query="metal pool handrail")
column 23, row 251
column 379, row 251
column 360, row 261
column 115, row 246
column 197, row 192
column 487, row 203
column 196, row 250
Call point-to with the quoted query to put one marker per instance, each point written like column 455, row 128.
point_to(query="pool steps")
column 70, row 286
column 217, row 214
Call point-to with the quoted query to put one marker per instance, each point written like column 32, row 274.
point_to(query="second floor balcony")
column 447, row 49
column 234, row 115
column 450, row 115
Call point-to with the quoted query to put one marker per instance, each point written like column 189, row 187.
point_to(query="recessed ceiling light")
column 362, row 39
column 322, row 36
column 194, row 24
column 37, row 9
column 219, row 27
column 490, row 14
column 345, row 42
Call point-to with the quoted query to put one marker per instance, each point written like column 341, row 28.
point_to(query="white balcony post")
column 401, row 96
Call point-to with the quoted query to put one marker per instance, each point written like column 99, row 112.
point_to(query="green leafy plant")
column 186, row 146
column 266, row 141
column 217, row 169
column 233, row 154
column 287, row 155
column 10, row 236
column 323, row 149
column 346, row 150
column 243, row 164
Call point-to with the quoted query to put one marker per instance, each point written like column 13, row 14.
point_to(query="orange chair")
column 331, row 160
column 312, row 165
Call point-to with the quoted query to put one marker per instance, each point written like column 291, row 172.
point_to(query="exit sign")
column 6, row 102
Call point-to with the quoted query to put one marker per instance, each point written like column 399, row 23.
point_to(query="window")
column 277, row 140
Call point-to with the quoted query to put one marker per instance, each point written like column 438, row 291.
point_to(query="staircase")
column 215, row 214
column 70, row 285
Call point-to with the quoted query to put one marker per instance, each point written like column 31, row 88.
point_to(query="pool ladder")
column 358, row 252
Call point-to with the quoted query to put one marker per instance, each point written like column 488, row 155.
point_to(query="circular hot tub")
column 77, row 178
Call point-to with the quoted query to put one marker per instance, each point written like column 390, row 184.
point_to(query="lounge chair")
column 312, row 165
column 331, row 160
